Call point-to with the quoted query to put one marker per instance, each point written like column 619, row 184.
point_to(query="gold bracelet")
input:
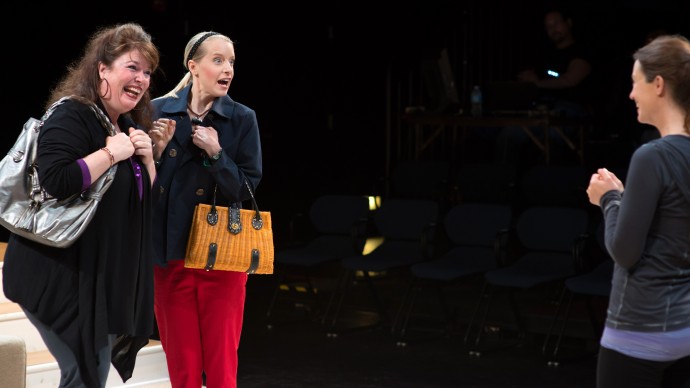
column 112, row 157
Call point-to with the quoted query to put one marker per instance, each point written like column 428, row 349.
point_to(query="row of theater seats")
column 468, row 248
column 494, row 182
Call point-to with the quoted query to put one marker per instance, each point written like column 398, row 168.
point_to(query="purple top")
column 86, row 176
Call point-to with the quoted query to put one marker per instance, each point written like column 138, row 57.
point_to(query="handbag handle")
column 102, row 118
column 234, row 221
column 107, row 125
column 38, row 194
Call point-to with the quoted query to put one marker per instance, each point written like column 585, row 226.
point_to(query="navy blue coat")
column 184, row 179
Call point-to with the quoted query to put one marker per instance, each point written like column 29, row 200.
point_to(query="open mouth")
column 132, row 91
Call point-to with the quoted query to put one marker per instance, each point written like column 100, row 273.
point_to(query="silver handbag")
column 27, row 210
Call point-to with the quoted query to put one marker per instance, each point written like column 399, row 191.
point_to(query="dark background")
column 329, row 79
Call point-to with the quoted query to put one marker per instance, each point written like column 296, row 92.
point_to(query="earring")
column 107, row 87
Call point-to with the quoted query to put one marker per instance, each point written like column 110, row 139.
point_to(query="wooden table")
column 428, row 128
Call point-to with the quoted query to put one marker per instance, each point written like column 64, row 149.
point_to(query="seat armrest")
column 359, row 233
column 428, row 239
column 13, row 361
column 583, row 257
column 501, row 245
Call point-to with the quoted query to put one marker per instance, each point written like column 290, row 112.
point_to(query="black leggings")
column 615, row 370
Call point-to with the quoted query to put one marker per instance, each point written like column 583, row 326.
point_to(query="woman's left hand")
column 143, row 146
column 205, row 138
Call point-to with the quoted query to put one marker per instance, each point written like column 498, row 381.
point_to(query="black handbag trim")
column 212, row 253
column 254, row 261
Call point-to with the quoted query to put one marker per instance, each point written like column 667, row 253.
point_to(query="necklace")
column 198, row 116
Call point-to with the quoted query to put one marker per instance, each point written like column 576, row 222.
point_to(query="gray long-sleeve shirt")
column 648, row 236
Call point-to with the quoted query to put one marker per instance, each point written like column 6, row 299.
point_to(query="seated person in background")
column 564, row 71
column 563, row 75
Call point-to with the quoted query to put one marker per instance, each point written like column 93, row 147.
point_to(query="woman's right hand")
column 162, row 132
column 120, row 146
column 601, row 182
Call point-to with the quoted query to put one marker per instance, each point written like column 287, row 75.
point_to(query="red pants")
column 199, row 316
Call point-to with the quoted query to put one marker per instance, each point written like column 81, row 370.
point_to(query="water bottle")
column 476, row 100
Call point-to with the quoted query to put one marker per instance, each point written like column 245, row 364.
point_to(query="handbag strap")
column 234, row 220
column 102, row 118
column 37, row 189
column 105, row 121
column 52, row 108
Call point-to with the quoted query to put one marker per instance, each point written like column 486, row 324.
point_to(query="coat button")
column 199, row 192
column 172, row 152
column 162, row 189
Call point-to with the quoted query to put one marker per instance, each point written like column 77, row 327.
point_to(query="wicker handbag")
column 230, row 238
